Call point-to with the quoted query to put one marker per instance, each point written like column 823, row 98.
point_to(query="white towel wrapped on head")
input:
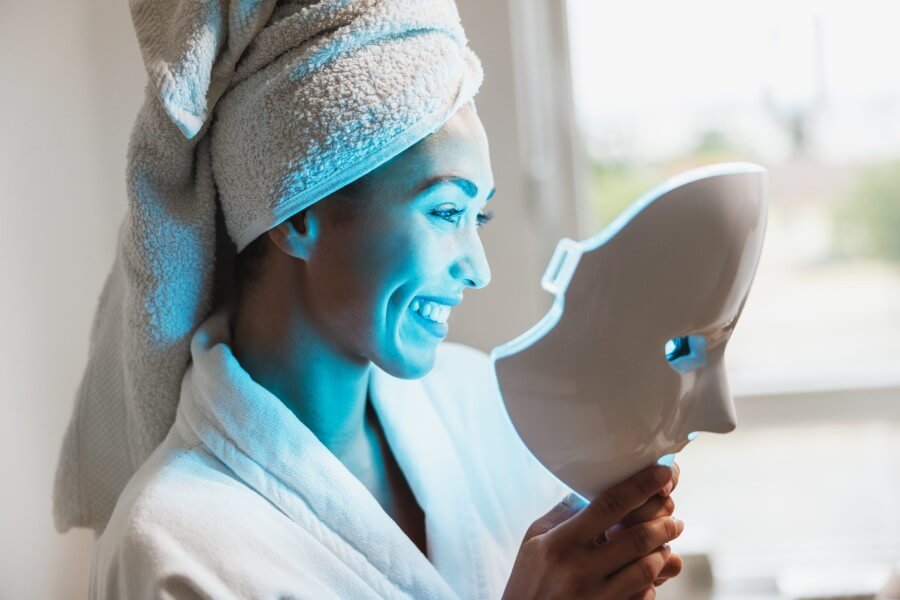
column 253, row 111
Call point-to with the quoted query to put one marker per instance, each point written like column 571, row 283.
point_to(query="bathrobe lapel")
column 256, row 436
column 426, row 455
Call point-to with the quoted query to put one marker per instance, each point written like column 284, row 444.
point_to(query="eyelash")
column 450, row 214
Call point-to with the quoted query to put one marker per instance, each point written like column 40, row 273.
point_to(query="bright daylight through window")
column 811, row 91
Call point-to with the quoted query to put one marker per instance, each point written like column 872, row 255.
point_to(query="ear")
column 297, row 236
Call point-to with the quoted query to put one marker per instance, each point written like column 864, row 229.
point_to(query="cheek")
column 416, row 258
column 404, row 250
column 368, row 273
column 342, row 278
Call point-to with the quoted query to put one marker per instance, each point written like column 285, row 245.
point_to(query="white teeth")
column 431, row 310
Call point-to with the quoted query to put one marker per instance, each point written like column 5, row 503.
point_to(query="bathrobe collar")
column 261, row 440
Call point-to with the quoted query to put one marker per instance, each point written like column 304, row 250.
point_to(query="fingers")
column 655, row 507
column 614, row 504
column 638, row 541
column 563, row 511
column 676, row 473
column 647, row 594
column 671, row 569
column 638, row 575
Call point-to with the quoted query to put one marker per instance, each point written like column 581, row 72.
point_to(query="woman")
column 325, row 442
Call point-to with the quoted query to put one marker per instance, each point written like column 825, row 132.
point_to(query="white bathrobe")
column 243, row 501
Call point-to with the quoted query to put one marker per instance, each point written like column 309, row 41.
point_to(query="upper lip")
column 448, row 300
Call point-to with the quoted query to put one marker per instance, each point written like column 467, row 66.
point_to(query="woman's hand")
column 567, row 554
column 660, row 505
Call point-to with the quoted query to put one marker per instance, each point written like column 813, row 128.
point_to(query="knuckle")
column 647, row 487
column 648, row 568
column 642, row 539
column 671, row 530
column 613, row 502
column 550, row 551
column 534, row 530
column 669, row 505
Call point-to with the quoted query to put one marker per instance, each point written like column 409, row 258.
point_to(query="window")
column 810, row 90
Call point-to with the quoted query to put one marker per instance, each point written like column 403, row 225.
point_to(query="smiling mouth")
column 431, row 316
column 428, row 309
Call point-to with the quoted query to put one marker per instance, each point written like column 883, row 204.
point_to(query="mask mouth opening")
column 668, row 459
column 686, row 353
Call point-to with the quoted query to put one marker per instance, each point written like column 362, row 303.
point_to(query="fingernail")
column 668, row 489
column 614, row 531
column 575, row 501
column 679, row 526
column 661, row 473
column 667, row 549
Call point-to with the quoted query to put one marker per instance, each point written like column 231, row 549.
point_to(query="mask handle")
column 561, row 266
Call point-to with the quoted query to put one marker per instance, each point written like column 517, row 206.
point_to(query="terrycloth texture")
column 299, row 98
column 242, row 500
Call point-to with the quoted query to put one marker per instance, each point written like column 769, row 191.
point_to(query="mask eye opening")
column 686, row 353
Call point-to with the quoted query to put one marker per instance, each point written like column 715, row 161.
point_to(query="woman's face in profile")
column 384, row 280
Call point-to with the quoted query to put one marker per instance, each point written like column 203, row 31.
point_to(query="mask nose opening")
column 686, row 353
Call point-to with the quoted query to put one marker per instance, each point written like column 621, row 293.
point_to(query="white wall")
column 72, row 82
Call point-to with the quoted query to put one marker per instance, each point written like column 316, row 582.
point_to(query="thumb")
column 567, row 507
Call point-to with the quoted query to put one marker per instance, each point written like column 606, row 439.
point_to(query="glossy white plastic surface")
column 628, row 362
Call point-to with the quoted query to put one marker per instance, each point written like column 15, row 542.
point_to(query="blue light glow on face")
column 386, row 280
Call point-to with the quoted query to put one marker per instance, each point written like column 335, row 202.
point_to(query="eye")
column 448, row 214
column 485, row 217
column 686, row 353
column 452, row 214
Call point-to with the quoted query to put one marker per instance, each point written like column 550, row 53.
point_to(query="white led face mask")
column 628, row 362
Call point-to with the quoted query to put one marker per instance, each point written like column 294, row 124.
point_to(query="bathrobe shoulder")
column 242, row 501
column 187, row 527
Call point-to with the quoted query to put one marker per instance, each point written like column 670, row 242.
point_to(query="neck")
column 276, row 341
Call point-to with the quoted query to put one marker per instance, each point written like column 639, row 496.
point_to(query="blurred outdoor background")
column 795, row 505
column 810, row 91
column 587, row 104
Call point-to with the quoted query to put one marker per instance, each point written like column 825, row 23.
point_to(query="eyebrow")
column 468, row 188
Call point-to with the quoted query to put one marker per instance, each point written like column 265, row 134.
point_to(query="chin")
column 410, row 364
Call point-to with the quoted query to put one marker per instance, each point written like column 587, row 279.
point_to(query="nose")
column 471, row 266
column 713, row 406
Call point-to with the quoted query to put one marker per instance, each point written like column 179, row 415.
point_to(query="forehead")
column 459, row 148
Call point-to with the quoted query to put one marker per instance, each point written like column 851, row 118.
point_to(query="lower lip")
column 436, row 329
